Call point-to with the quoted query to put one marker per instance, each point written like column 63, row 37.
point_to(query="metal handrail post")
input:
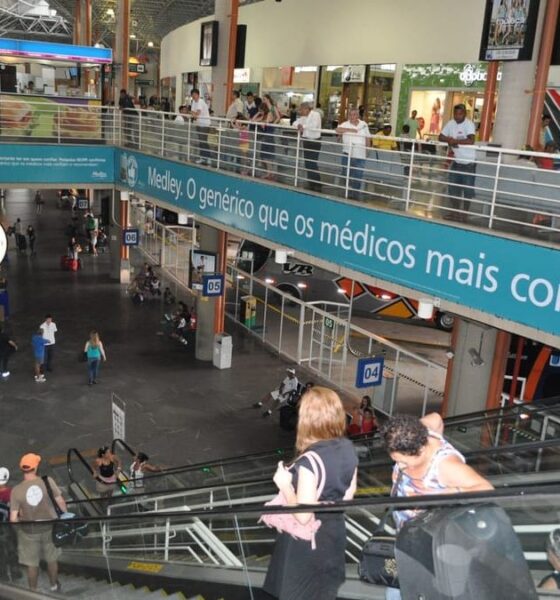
column 347, row 183
column 301, row 324
column 219, row 147
column 140, row 130
column 254, row 159
column 58, row 124
column 495, row 191
column 162, row 134
column 298, row 144
column 409, row 182
column 189, row 138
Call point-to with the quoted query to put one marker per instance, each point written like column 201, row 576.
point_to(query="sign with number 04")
column 370, row 372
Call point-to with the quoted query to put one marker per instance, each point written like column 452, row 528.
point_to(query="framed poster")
column 209, row 44
column 509, row 29
column 202, row 263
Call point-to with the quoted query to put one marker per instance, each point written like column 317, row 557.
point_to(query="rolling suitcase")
column 73, row 264
column 462, row 553
column 288, row 417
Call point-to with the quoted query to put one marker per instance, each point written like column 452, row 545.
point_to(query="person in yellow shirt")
column 384, row 144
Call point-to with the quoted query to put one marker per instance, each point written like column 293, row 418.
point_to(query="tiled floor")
column 178, row 409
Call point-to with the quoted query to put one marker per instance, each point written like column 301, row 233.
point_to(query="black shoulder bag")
column 66, row 532
column 377, row 563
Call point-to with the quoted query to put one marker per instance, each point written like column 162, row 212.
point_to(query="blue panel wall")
column 64, row 164
column 514, row 280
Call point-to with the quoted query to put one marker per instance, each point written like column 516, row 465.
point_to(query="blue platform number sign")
column 370, row 372
column 131, row 237
column 212, row 285
column 83, row 203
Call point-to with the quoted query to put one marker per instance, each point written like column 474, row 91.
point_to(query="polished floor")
column 178, row 410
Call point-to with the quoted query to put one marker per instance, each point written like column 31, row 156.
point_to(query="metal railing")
column 316, row 335
column 506, row 190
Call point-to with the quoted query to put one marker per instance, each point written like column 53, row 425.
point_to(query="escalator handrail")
column 532, row 407
column 255, row 481
column 397, row 503
column 92, row 501
column 118, row 441
column 468, row 418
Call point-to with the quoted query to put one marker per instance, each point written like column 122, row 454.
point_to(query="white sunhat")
column 4, row 475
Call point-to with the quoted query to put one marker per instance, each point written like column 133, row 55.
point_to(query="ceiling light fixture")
column 150, row 44
column 132, row 36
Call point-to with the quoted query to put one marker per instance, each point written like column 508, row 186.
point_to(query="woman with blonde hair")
column 94, row 352
column 297, row 570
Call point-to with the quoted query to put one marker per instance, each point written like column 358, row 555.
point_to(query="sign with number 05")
column 212, row 285
column 370, row 372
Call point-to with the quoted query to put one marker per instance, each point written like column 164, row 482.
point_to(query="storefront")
column 367, row 87
column 46, row 87
column 168, row 87
column 433, row 90
column 289, row 85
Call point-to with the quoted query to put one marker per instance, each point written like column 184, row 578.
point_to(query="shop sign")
column 149, row 82
column 473, row 73
column 242, row 76
column 354, row 74
column 469, row 268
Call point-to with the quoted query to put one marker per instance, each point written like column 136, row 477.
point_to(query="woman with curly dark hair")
column 425, row 463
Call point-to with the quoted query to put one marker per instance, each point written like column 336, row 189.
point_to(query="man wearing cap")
column 289, row 385
column 459, row 133
column 30, row 502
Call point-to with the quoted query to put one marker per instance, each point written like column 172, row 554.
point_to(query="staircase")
column 89, row 588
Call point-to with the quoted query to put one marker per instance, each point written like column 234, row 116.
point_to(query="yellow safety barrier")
column 373, row 491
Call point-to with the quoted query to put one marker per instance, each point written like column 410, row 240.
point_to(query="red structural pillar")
column 234, row 16
column 78, row 22
column 543, row 65
column 125, row 35
column 220, row 305
column 124, row 223
column 496, row 385
column 489, row 100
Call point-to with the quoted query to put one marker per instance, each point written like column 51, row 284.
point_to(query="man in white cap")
column 289, row 385
column 30, row 502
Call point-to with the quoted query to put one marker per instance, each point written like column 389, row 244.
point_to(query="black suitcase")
column 462, row 553
column 288, row 417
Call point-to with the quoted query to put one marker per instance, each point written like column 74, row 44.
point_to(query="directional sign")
column 370, row 372
column 212, row 285
column 131, row 237
column 83, row 203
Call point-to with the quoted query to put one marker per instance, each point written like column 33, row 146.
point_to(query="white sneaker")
column 42, row 378
column 6, row 374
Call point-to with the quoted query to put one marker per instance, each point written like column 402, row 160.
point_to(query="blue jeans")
column 355, row 174
column 93, row 368
column 392, row 594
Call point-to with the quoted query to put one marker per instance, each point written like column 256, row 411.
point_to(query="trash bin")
column 248, row 311
column 222, row 351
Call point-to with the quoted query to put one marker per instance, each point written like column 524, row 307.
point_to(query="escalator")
column 513, row 427
column 223, row 552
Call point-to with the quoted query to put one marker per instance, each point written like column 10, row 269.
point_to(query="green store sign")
column 448, row 76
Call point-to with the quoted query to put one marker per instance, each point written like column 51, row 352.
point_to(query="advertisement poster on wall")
column 49, row 117
column 509, row 29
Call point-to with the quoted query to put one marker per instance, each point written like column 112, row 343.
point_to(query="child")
column 241, row 125
column 39, row 343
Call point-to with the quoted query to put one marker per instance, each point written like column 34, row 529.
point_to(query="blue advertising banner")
column 503, row 277
column 63, row 164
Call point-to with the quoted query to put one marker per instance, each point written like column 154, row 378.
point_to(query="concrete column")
column 209, row 239
column 124, row 252
column 516, row 95
column 472, row 368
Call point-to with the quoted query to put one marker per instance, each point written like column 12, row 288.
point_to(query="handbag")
column 82, row 357
column 65, row 531
column 286, row 522
column 378, row 564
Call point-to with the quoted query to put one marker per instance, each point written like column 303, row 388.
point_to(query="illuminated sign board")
column 50, row 51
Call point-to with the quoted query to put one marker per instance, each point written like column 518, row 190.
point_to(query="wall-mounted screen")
column 209, row 44
column 202, row 263
column 509, row 29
